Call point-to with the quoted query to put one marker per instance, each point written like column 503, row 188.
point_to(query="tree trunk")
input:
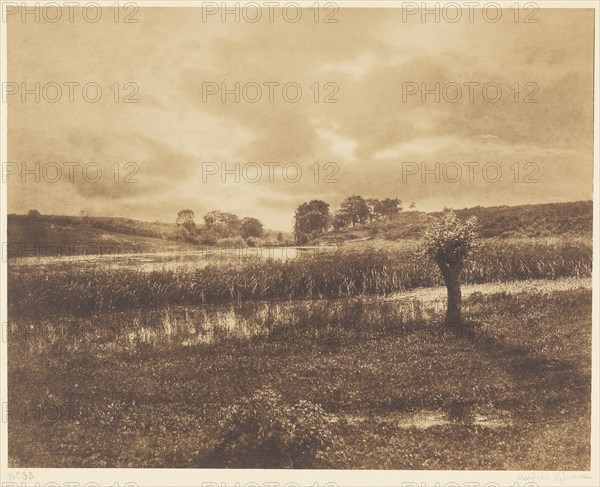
column 451, row 275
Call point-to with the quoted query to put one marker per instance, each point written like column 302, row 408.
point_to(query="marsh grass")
column 328, row 275
column 327, row 322
column 527, row 370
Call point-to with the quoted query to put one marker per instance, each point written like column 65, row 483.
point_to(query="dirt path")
column 515, row 287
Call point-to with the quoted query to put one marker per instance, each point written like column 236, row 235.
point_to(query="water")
column 426, row 419
column 161, row 260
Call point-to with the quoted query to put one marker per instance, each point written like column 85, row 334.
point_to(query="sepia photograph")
column 299, row 243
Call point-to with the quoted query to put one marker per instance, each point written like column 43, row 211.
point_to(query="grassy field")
column 399, row 390
column 330, row 359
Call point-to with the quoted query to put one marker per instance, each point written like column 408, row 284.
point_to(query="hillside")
column 526, row 221
column 82, row 235
column 74, row 235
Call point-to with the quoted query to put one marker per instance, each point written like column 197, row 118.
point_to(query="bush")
column 208, row 238
column 254, row 242
column 232, row 243
column 262, row 431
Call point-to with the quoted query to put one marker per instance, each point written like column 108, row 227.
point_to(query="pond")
column 160, row 260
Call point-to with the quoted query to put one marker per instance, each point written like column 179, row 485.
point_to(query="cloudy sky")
column 378, row 137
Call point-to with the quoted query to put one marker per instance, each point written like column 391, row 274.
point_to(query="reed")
column 327, row 275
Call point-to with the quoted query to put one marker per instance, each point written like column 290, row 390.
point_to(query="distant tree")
column 251, row 227
column 34, row 214
column 412, row 205
column 222, row 224
column 311, row 218
column 187, row 220
column 233, row 223
column 448, row 242
column 340, row 220
column 355, row 209
column 374, row 206
column 280, row 237
column 212, row 218
column 388, row 207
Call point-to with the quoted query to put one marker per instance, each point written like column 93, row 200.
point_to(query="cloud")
column 363, row 64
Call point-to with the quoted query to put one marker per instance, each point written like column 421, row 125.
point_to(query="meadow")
column 332, row 359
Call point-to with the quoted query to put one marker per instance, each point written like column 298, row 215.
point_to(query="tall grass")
column 139, row 330
column 327, row 275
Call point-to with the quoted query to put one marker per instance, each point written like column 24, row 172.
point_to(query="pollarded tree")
column 449, row 241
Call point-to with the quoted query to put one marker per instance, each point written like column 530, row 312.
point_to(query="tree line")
column 310, row 219
column 221, row 226
column 313, row 217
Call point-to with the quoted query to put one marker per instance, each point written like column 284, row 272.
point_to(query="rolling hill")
column 122, row 235
column 525, row 221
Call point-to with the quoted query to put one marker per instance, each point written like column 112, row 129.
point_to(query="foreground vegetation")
column 402, row 392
